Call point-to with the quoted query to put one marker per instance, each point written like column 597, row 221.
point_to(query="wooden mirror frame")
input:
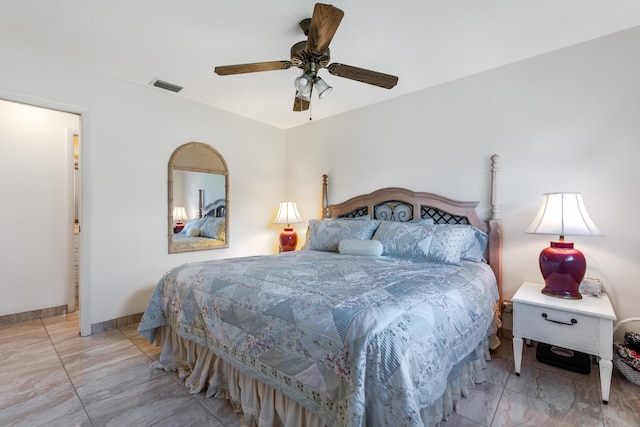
column 196, row 157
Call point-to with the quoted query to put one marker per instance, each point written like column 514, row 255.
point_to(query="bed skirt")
column 262, row 405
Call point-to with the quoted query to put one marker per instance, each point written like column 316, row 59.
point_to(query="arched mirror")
column 198, row 208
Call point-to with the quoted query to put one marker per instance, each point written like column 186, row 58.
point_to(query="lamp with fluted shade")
column 562, row 265
column 179, row 215
column 288, row 214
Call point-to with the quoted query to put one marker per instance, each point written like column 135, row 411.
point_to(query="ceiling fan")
column 312, row 55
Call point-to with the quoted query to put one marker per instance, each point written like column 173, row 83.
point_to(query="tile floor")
column 49, row 375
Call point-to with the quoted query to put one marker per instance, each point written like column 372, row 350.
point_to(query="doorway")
column 37, row 164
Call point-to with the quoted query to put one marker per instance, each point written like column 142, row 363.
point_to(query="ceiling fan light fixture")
column 303, row 83
column 305, row 96
column 323, row 88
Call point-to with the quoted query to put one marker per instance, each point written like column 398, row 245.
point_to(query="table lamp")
column 288, row 214
column 562, row 266
column 179, row 215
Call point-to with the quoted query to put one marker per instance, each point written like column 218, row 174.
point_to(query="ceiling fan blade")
column 300, row 104
column 226, row 70
column 375, row 78
column 324, row 23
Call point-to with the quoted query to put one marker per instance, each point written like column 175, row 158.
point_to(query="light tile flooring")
column 49, row 375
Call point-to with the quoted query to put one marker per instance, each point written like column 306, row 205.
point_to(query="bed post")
column 495, row 228
column 200, row 202
column 325, row 199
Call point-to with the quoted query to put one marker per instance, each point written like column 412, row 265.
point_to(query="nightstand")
column 584, row 325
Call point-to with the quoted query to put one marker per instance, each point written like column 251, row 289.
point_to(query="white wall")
column 128, row 134
column 564, row 121
column 36, row 171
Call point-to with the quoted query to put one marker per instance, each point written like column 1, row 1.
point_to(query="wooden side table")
column 584, row 325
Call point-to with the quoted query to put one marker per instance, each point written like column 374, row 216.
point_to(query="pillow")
column 404, row 239
column 360, row 247
column 447, row 243
column 194, row 232
column 326, row 235
column 475, row 245
column 212, row 227
column 194, row 223
column 423, row 221
column 355, row 218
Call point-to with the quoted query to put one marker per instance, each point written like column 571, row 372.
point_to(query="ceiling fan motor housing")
column 301, row 56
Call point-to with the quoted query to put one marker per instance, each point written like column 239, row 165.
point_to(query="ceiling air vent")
column 165, row 85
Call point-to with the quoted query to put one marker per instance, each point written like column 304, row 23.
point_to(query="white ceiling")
column 423, row 42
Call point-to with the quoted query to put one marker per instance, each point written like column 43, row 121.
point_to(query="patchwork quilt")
column 339, row 334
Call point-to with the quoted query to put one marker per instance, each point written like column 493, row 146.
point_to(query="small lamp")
column 179, row 215
column 562, row 265
column 288, row 214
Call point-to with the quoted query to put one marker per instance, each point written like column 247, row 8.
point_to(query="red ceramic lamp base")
column 288, row 240
column 563, row 269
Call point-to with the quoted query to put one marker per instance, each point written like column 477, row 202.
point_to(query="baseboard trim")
column 96, row 328
column 33, row 314
column 120, row 322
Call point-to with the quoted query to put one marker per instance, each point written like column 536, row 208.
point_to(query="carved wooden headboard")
column 216, row 209
column 400, row 204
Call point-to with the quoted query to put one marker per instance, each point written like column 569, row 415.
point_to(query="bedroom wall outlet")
column 507, row 320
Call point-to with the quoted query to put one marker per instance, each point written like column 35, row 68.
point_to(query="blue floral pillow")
column 326, row 235
column 475, row 246
column 404, row 239
column 213, row 228
column 193, row 224
column 423, row 221
column 446, row 245
column 355, row 218
column 453, row 242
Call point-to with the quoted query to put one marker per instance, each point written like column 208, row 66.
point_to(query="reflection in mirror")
column 199, row 184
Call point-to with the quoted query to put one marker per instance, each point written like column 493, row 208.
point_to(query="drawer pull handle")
column 573, row 321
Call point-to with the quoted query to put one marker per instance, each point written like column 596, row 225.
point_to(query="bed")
column 217, row 208
column 375, row 322
column 206, row 231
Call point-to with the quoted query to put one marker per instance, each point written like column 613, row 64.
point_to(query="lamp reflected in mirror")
column 179, row 215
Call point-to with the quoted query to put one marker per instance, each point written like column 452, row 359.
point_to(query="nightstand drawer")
column 584, row 325
column 557, row 327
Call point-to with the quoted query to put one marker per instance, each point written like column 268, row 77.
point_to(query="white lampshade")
column 288, row 214
column 563, row 214
column 179, row 214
